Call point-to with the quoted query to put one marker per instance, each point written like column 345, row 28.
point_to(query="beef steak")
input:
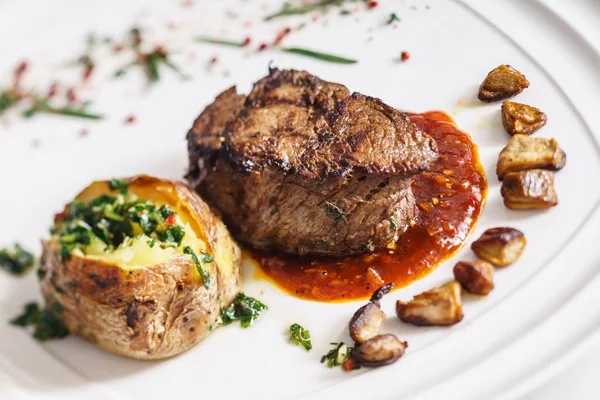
column 304, row 166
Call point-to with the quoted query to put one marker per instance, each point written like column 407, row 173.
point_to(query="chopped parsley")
column 115, row 219
column 300, row 336
column 244, row 309
column 47, row 322
column 118, row 184
column 338, row 355
column 16, row 260
column 199, row 265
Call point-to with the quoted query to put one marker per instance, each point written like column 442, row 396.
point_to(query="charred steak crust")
column 304, row 166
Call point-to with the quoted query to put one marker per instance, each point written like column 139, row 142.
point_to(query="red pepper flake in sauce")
column 372, row 4
column 130, row 119
column 404, row 56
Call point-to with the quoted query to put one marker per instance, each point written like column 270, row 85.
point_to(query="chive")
column 152, row 68
column 176, row 69
column 318, row 55
column 72, row 112
column 205, row 39
column 203, row 273
column 287, row 10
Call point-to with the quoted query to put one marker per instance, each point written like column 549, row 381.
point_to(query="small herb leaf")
column 300, row 336
column 244, row 309
column 203, row 273
column 16, row 260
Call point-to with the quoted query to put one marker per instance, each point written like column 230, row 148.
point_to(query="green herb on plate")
column 318, row 55
column 300, row 336
column 16, row 260
column 244, row 309
column 47, row 322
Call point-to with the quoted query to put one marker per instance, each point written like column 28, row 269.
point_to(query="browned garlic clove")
column 367, row 320
column 366, row 323
column 475, row 277
column 523, row 152
column 380, row 350
column 521, row 119
column 500, row 246
column 501, row 83
column 439, row 306
column 528, row 190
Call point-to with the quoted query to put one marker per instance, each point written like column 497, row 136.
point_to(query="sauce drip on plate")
column 450, row 197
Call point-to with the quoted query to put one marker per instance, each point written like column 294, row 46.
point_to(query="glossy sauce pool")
column 450, row 197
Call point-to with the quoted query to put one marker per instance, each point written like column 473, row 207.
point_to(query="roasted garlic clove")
column 527, row 190
column 366, row 321
column 475, row 276
column 379, row 293
column 439, row 306
column 501, row 83
column 500, row 246
column 523, row 152
column 521, row 119
column 380, row 350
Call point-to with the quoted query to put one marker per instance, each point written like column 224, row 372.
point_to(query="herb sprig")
column 16, row 260
column 300, row 336
column 150, row 61
column 15, row 95
column 288, row 9
column 244, row 309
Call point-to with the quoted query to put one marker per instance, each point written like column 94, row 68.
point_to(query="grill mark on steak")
column 270, row 161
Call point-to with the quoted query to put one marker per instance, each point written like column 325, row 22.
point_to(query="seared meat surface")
column 304, row 166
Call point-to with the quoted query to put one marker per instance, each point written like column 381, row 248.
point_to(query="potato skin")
column 150, row 312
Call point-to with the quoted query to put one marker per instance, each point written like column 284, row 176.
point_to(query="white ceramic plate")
column 543, row 307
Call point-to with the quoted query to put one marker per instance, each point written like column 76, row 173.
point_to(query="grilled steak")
column 304, row 166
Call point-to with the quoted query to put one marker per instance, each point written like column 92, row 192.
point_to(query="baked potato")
column 141, row 267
